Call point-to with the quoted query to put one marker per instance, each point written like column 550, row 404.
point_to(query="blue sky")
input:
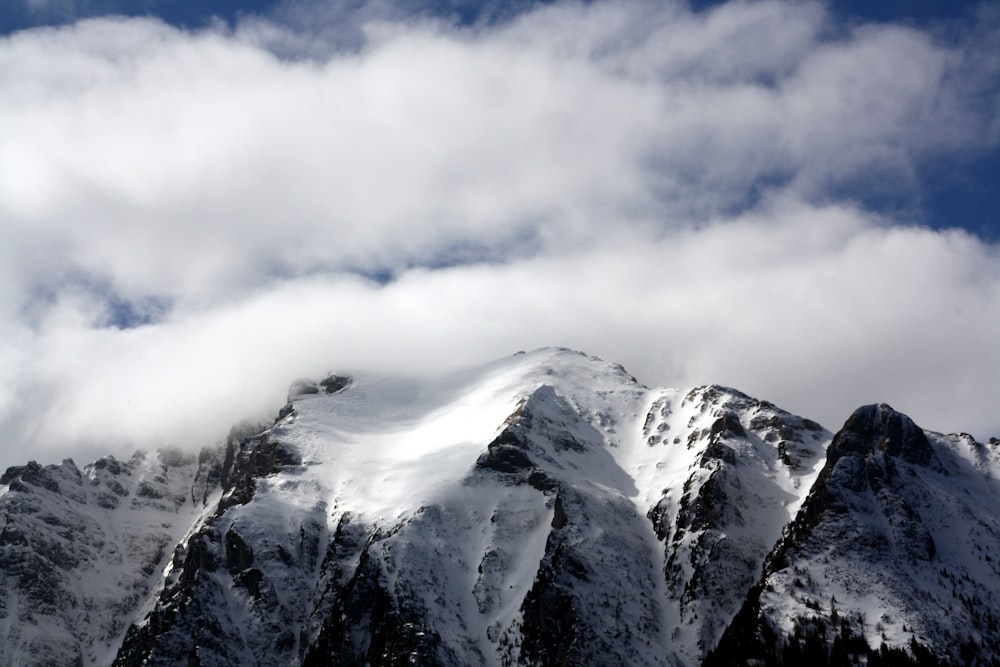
column 200, row 202
column 18, row 15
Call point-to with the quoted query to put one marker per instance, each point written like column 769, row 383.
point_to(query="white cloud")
column 651, row 185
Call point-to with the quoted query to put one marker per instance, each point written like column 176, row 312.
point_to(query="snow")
column 399, row 454
column 872, row 568
column 108, row 531
column 464, row 544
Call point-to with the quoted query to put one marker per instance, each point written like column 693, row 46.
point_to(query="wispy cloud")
column 685, row 193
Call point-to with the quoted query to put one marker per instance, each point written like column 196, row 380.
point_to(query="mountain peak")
column 880, row 428
column 544, row 508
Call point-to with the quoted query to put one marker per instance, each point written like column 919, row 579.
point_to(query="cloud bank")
column 190, row 220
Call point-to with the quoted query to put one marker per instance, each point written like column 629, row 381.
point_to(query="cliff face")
column 891, row 550
column 544, row 509
column 80, row 550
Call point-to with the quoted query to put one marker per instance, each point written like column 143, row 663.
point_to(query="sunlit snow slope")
column 544, row 509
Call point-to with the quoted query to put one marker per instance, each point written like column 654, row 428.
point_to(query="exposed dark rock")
column 147, row 490
column 718, row 451
column 811, row 425
column 565, row 441
column 239, row 556
column 559, row 518
column 860, row 500
column 312, row 584
column 251, row 580
column 394, row 634
column 860, row 458
column 542, row 481
column 31, row 474
column 880, row 428
column 335, row 383
column 57, row 527
column 549, row 626
column 107, row 501
column 728, row 425
column 209, row 474
column 284, row 412
column 109, row 463
column 704, row 509
column 506, row 454
column 255, row 459
column 659, row 516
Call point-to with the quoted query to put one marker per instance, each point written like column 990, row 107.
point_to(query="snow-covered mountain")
column 544, row 509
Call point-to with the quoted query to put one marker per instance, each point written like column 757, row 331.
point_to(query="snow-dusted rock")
column 544, row 509
column 80, row 551
column 894, row 545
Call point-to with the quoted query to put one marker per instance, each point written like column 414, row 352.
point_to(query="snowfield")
column 544, row 508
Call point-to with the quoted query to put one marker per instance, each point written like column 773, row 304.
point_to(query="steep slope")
column 895, row 545
column 543, row 509
column 732, row 476
column 80, row 550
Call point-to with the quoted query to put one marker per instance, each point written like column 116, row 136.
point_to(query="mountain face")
column 896, row 543
column 81, row 550
column 545, row 509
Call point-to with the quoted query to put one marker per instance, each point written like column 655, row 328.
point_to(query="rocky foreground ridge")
column 545, row 509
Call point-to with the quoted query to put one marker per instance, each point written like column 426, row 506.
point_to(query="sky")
column 202, row 202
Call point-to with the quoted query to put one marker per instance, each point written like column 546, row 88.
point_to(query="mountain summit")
column 543, row 509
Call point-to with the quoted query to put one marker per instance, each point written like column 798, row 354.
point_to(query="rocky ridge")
column 545, row 509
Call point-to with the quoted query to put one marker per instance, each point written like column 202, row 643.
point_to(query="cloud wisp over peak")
column 193, row 218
